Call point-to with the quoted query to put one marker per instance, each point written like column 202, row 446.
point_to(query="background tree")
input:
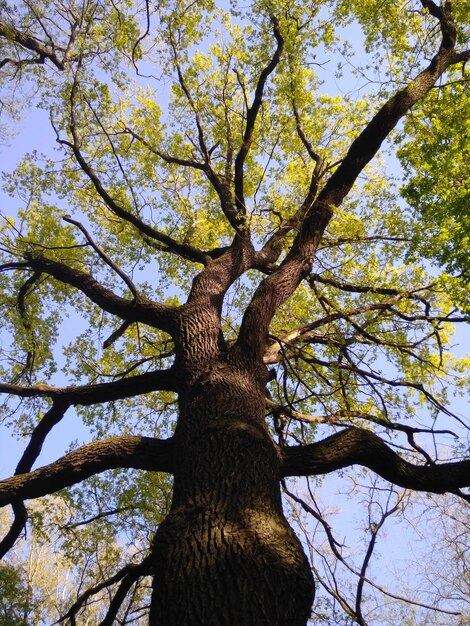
column 14, row 601
column 233, row 256
column 61, row 557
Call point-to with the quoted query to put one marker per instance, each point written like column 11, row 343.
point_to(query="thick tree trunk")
column 226, row 554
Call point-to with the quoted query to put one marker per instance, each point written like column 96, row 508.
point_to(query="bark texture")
column 226, row 554
column 362, row 447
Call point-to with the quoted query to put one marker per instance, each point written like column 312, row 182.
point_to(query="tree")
column 232, row 250
column 13, row 602
column 40, row 576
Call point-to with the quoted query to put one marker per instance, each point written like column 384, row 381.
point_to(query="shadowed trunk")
column 226, row 554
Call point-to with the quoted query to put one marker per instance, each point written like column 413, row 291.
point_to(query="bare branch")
column 334, row 545
column 369, row 376
column 98, row 516
column 304, row 332
column 317, row 170
column 221, row 188
column 172, row 160
column 128, row 573
column 116, row 334
column 375, row 527
column 126, row 583
column 361, row 447
column 184, row 250
column 23, row 291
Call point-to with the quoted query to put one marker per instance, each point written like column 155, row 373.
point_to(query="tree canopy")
column 244, row 263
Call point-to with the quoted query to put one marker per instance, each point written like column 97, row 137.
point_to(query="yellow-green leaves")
column 436, row 159
column 150, row 114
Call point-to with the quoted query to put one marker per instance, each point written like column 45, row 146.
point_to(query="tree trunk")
column 226, row 554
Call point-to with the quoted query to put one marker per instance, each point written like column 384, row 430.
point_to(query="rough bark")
column 226, row 554
column 125, row 451
column 362, row 447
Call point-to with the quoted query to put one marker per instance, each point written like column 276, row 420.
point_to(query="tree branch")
column 374, row 528
column 29, row 456
column 364, row 148
column 125, row 451
column 19, row 522
column 141, row 309
column 222, row 189
column 86, row 395
column 32, row 44
column 362, row 447
column 103, row 255
column 251, row 115
column 129, row 572
column 334, row 545
column 279, row 286
column 183, row 250
column 120, row 595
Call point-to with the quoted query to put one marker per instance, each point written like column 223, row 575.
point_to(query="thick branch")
column 280, row 285
column 137, row 310
column 32, row 44
column 367, row 144
column 39, row 434
column 212, row 283
column 126, row 451
column 362, row 447
column 33, row 450
column 86, row 395
column 19, row 522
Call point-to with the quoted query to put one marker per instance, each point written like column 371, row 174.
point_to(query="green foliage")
column 14, row 601
column 135, row 132
column 436, row 160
